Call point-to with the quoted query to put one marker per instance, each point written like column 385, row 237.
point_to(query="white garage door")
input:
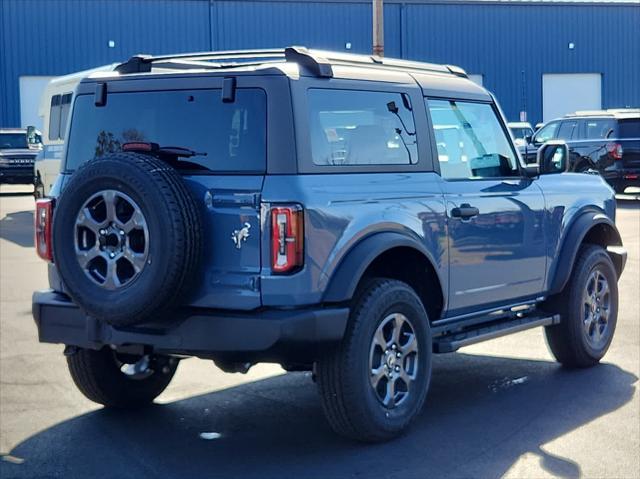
column 31, row 89
column 564, row 93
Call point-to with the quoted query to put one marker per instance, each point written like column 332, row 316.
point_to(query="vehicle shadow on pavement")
column 18, row 228
column 482, row 414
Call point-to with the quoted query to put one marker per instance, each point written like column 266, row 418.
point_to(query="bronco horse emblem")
column 241, row 235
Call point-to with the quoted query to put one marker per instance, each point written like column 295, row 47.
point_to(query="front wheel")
column 120, row 380
column 589, row 310
column 375, row 382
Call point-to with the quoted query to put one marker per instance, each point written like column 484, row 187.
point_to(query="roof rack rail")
column 317, row 62
column 143, row 63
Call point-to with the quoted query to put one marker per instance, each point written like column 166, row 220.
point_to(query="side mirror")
column 553, row 157
column 532, row 170
column 528, row 139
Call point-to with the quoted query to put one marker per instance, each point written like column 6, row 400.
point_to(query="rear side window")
column 65, row 106
column 58, row 115
column 597, row 129
column 227, row 137
column 629, row 128
column 350, row 128
column 54, row 117
column 565, row 132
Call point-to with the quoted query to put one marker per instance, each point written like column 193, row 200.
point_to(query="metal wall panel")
column 503, row 41
column 56, row 37
column 498, row 40
column 251, row 24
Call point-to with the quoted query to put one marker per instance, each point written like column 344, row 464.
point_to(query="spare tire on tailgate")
column 126, row 238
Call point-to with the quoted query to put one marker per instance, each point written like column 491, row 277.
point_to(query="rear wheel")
column 375, row 382
column 589, row 310
column 120, row 381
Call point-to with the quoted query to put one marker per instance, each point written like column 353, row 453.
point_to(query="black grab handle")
column 465, row 211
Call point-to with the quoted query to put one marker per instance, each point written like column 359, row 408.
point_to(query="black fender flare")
column 344, row 281
column 585, row 223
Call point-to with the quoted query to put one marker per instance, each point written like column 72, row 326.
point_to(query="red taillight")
column 43, row 220
column 615, row 150
column 139, row 146
column 287, row 238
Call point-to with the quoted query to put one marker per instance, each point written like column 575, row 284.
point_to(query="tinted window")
column 565, row 132
column 65, row 106
column 629, row 128
column 596, row 129
column 228, row 137
column 470, row 140
column 518, row 132
column 13, row 140
column 351, row 127
column 54, row 118
column 547, row 132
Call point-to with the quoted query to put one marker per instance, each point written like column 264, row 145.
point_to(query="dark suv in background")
column 604, row 141
column 19, row 148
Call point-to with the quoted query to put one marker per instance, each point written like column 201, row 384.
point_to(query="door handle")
column 465, row 211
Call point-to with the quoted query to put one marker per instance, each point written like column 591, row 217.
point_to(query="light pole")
column 378, row 28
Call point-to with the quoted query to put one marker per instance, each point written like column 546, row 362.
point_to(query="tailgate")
column 230, row 271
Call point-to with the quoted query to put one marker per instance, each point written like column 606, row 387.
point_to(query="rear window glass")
column 629, row 128
column 598, row 129
column 228, row 137
column 350, row 128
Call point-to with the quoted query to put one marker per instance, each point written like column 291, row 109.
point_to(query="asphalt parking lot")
column 502, row 408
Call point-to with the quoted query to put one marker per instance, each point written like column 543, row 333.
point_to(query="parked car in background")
column 520, row 131
column 55, row 108
column 607, row 142
column 292, row 208
column 18, row 150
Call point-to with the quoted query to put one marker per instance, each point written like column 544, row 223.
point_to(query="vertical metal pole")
column 378, row 28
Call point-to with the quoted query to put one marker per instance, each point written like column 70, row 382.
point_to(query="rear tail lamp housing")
column 615, row 150
column 43, row 223
column 287, row 238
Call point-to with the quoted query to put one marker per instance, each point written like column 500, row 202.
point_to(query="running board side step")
column 453, row 341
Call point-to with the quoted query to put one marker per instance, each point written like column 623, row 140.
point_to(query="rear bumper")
column 261, row 336
column 622, row 178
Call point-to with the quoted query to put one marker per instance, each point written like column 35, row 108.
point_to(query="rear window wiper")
column 170, row 154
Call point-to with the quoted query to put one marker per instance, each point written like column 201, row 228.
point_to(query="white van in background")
column 55, row 111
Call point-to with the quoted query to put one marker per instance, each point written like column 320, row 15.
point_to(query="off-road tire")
column 98, row 376
column 175, row 230
column 567, row 340
column 343, row 373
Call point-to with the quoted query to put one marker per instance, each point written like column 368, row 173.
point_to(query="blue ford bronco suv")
column 348, row 215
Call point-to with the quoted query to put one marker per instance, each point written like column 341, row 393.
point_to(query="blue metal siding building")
column 510, row 43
